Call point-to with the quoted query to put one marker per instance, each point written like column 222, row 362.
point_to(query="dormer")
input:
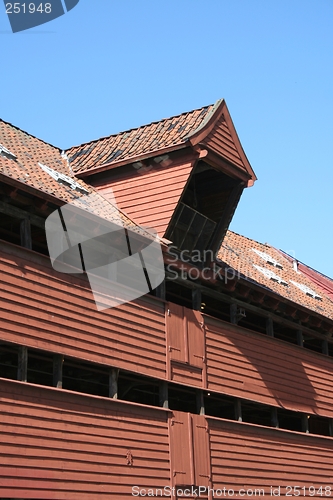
column 183, row 175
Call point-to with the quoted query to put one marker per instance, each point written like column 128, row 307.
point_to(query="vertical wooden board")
column 181, row 448
column 201, row 451
column 175, row 332
column 195, row 333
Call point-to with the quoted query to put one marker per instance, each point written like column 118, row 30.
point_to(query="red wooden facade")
column 209, row 388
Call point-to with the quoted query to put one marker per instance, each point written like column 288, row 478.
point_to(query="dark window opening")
column 208, row 191
column 284, row 333
column 39, row 243
column 191, row 230
column 10, row 229
column 203, row 204
column 85, row 377
column 40, row 368
column 178, row 294
column 220, row 406
column 138, row 389
column 256, row 413
column 290, row 420
column 253, row 322
column 8, row 361
column 182, row 399
column 320, row 425
column 313, row 344
column 215, row 308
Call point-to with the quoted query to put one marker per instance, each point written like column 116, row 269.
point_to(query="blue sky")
column 110, row 65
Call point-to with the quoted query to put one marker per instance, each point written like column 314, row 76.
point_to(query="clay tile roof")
column 24, row 172
column 248, row 258
column 138, row 141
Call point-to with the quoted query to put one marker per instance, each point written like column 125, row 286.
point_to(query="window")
column 308, row 291
column 267, row 258
column 192, row 230
column 270, row 275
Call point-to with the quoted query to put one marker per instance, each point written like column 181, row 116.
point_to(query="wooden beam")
column 22, row 366
column 19, row 213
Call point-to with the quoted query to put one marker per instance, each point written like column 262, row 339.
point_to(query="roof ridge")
column 140, row 127
column 306, row 265
column 30, row 135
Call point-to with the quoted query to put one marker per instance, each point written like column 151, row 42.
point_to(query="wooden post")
column 196, row 299
column 305, row 424
column 200, row 403
column 274, row 418
column 233, row 314
column 22, row 367
column 300, row 338
column 160, row 291
column 324, row 347
column 269, row 327
column 238, row 410
column 58, row 360
column 113, row 383
column 163, row 393
column 25, row 234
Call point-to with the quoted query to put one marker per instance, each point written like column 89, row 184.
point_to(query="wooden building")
column 221, row 378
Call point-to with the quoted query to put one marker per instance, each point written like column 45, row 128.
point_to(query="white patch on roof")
column 270, row 275
column 308, row 291
column 62, row 178
column 268, row 258
column 6, row 153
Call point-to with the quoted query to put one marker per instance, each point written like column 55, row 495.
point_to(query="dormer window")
column 63, row 179
column 6, row 153
column 204, row 210
column 192, row 230
column 270, row 275
column 308, row 291
column 267, row 258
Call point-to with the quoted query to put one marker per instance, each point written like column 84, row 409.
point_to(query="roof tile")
column 237, row 252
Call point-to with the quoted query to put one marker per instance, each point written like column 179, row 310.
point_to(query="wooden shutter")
column 201, row 450
column 176, row 332
column 195, row 337
column 181, row 443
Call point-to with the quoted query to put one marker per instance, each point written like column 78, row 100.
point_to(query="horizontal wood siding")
column 186, row 374
column 248, row 456
column 149, row 198
column 250, row 365
column 221, row 142
column 53, row 311
column 63, row 445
